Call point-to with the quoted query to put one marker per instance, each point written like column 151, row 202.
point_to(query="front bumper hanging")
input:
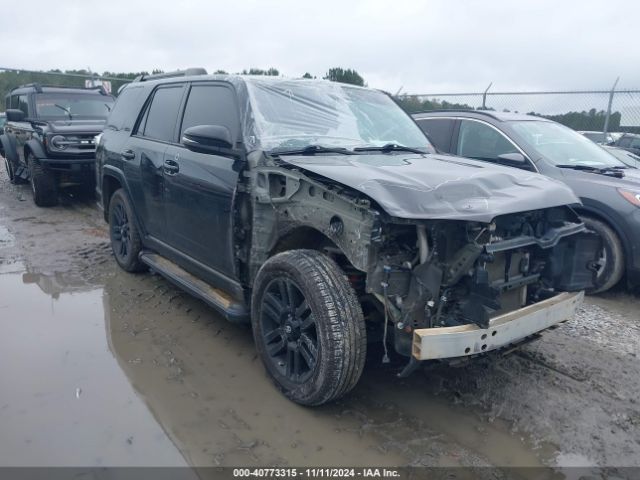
column 465, row 340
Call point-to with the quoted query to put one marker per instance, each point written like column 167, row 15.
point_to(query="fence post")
column 484, row 97
column 606, row 119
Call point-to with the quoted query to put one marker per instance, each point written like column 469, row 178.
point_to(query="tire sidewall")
column 299, row 391
column 612, row 248
column 119, row 198
column 9, row 167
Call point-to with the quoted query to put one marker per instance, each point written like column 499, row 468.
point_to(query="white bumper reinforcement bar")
column 464, row 340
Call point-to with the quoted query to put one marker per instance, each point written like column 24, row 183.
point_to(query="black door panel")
column 199, row 196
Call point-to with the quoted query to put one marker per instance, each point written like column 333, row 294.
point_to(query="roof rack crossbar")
column 178, row 73
column 36, row 86
column 39, row 86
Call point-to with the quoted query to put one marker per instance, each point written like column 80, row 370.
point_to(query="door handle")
column 171, row 167
column 128, row 154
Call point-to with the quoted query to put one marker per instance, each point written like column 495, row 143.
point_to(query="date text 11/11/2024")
column 315, row 472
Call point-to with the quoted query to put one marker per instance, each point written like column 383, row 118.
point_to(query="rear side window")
column 125, row 111
column 624, row 141
column 439, row 130
column 635, row 142
column 211, row 105
column 23, row 104
column 163, row 113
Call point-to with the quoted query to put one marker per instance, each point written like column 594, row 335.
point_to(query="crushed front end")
column 455, row 288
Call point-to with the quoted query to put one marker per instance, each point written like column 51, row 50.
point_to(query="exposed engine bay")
column 449, row 273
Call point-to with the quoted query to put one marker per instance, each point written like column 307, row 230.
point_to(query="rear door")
column 200, row 187
column 144, row 156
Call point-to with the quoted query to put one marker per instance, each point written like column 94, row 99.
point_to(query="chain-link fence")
column 596, row 110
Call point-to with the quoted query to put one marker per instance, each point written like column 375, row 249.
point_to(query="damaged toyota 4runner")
column 320, row 213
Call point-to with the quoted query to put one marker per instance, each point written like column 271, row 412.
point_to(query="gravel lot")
column 99, row 367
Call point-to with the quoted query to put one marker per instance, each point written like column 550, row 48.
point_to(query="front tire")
column 308, row 326
column 611, row 261
column 43, row 184
column 123, row 232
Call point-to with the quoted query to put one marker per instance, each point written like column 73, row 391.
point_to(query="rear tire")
column 308, row 327
column 611, row 262
column 9, row 168
column 43, row 184
column 123, row 232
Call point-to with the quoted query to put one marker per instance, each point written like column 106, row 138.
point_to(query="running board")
column 233, row 310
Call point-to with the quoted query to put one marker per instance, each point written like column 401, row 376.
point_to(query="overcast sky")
column 421, row 46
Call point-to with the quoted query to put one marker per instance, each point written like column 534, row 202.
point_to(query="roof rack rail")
column 100, row 89
column 36, row 86
column 177, row 73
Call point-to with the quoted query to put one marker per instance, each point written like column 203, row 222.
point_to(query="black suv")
column 320, row 211
column 608, row 188
column 49, row 137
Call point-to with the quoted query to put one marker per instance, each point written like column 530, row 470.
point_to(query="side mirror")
column 15, row 115
column 512, row 158
column 207, row 138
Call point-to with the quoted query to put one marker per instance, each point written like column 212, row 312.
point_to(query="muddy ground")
column 99, row 367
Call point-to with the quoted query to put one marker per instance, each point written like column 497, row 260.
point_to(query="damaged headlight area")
column 444, row 273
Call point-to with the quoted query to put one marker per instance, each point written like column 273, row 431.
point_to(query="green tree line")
column 76, row 78
column 585, row 120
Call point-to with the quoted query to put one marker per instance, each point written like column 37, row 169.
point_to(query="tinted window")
column 125, row 111
column 635, row 142
column 439, row 131
column 23, row 104
column 211, row 105
column 624, row 141
column 478, row 140
column 163, row 113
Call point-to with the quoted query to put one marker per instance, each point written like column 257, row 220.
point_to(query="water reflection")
column 64, row 401
column 202, row 380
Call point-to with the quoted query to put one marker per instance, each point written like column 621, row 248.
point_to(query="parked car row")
column 322, row 215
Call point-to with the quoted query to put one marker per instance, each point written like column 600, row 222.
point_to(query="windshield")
column 294, row 114
column 563, row 146
column 72, row 105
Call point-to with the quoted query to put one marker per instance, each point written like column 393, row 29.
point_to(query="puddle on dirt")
column 193, row 389
column 64, row 401
column 200, row 376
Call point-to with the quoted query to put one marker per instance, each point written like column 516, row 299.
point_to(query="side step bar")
column 232, row 310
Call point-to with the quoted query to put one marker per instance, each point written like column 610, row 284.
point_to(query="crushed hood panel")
column 439, row 187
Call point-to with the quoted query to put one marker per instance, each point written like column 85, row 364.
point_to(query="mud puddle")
column 64, row 401
column 201, row 378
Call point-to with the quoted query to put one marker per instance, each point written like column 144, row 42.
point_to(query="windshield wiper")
column 389, row 147
column 616, row 171
column 312, row 150
column 65, row 109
